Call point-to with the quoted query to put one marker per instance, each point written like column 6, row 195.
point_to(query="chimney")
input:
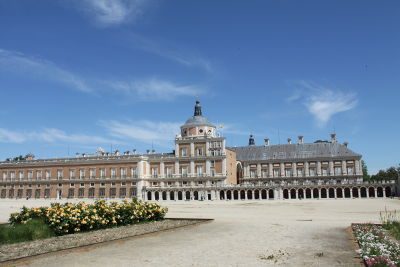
column 266, row 141
column 333, row 138
column 300, row 139
column 346, row 144
column 289, row 141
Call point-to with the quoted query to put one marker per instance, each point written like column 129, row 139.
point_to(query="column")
column 176, row 149
column 270, row 170
column 176, row 195
column 258, row 169
column 152, row 195
column 162, row 169
column 306, row 169
column 282, row 169
column 176, row 167
column 168, row 195
column 297, row 194
column 376, row 192
column 344, row 167
column 319, row 168
column 192, row 149
column 335, row 192
column 224, row 166
column 358, row 169
column 331, row 170
column 383, row 192
column 367, row 191
column 294, row 169
column 208, row 167
column 192, row 171
column 207, row 148
column 359, row 192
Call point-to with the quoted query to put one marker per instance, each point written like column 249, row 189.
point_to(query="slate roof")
column 197, row 121
column 293, row 152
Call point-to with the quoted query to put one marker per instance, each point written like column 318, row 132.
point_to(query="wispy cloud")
column 155, row 89
column 16, row 62
column 172, row 52
column 51, row 135
column 112, row 12
column 160, row 133
column 324, row 102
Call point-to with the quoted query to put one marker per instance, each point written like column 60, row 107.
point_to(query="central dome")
column 197, row 124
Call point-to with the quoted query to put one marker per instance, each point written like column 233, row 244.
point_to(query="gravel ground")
column 243, row 233
column 26, row 249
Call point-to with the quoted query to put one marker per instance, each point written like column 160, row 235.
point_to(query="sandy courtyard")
column 244, row 233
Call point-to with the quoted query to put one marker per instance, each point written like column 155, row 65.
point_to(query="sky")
column 76, row 75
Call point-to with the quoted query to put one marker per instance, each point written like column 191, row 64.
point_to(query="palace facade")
column 201, row 167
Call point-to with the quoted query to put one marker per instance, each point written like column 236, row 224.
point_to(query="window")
column 82, row 174
column 264, row 173
column 199, row 170
column 21, row 175
column 59, row 174
column 71, row 192
column 38, row 175
column 276, row 172
column 199, row 151
column 92, row 173
column 134, row 172
column 123, row 172
column 92, row 184
column 91, row 193
column 253, row 173
column 338, row 170
column 72, row 185
column 123, row 184
column 81, row 192
column 30, row 175
column 288, row 172
column 312, row 172
column 154, row 172
column 184, row 152
column 122, row 192
column 82, row 185
column 48, row 174
column 300, row 172
column 168, row 171
column 71, row 174
column 102, row 192
column 350, row 170
column 324, row 171
column 12, row 175
column 113, row 173
column 4, row 175
column 113, row 184
column 102, row 173
column 113, row 192
column 184, row 171
column 102, row 184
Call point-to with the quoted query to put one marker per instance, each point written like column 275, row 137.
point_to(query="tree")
column 364, row 167
column 391, row 173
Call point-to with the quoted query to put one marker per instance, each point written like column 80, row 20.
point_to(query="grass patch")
column 393, row 228
column 32, row 230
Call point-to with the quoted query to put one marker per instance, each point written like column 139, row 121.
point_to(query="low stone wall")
column 26, row 249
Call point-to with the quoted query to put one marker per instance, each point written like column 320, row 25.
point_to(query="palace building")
column 201, row 167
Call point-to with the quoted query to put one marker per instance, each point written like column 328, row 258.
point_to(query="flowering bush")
column 71, row 218
column 376, row 248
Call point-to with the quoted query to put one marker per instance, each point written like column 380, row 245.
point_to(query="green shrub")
column 32, row 230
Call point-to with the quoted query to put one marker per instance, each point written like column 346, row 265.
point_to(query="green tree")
column 366, row 176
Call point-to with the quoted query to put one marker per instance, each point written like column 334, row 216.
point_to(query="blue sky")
column 80, row 74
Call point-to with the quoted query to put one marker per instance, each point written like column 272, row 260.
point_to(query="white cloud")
column 155, row 89
column 40, row 69
column 160, row 133
column 323, row 102
column 171, row 52
column 51, row 135
column 113, row 12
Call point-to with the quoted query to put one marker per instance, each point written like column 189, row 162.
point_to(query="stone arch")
column 371, row 192
column 324, row 193
column 347, row 192
column 180, row 195
column 156, row 196
column 172, row 195
column 229, row 195
column 363, row 192
column 339, row 192
column 355, row 192
column 256, row 194
column 300, row 193
column 388, row 191
column 271, row 194
column 331, row 193
column 164, row 195
column 149, row 195
column 263, row 194
column 308, row 193
column 235, row 195
column 242, row 194
column 285, row 194
column 222, row 195
column 249, row 194
column 315, row 193
column 293, row 193
column 379, row 192
column 196, row 195
column 187, row 195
